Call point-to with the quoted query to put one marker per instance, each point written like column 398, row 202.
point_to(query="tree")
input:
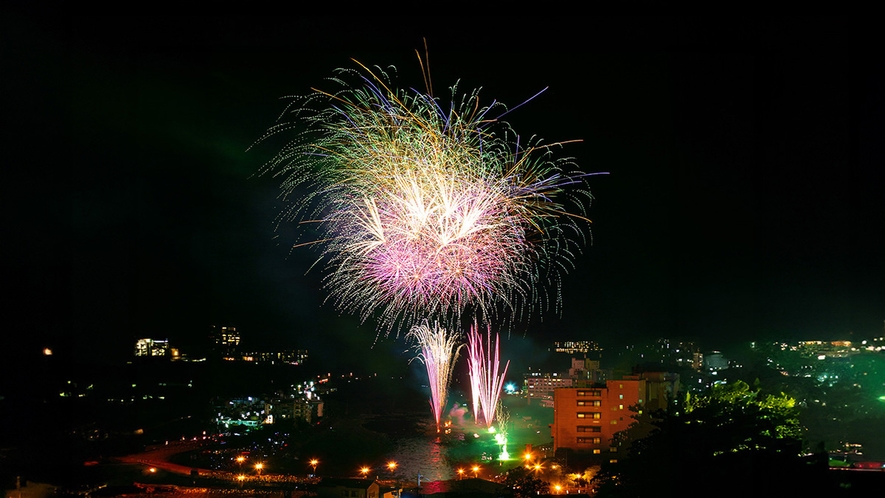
column 524, row 483
column 732, row 438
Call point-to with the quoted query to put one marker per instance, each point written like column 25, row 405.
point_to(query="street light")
column 258, row 467
column 241, row 478
column 391, row 465
column 313, row 463
column 364, row 471
column 460, row 474
column 475, row 470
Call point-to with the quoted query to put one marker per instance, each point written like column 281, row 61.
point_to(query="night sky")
column 743, row 201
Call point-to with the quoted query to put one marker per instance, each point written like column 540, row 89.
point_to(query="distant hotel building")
column 225, row 341
column 540, row 386
column 576, row 347
column 291, row 357
column 152, row 347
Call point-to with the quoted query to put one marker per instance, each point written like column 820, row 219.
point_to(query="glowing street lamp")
column 258, row 467
column 475, row 470
column 313, row 464
column 460, row 474
column 364, row 471
column 241, row 478
column 557, row 488
column 391, row 465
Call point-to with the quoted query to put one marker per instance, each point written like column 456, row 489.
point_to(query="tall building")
column 151, row 347
column 587, row 415
column 586, row 418
column 225, row 341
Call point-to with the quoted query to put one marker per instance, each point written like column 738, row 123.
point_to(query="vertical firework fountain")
column 438, row 350
column 486, row 383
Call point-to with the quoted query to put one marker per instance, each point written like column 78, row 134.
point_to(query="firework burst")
column 438, row 349
column 427, row 210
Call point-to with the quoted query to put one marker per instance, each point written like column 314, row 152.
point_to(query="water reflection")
column 439, row 458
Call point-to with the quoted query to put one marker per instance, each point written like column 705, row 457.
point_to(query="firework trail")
column 485, row 382
column 438, row 350
column 424, row 209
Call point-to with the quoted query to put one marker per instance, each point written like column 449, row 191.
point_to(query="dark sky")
column 744, row 198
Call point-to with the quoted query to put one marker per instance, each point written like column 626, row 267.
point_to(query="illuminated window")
column 593, row 402
column 593, row 415
column 589, row 440
column 620, row 407
column 620, row 396
column 591, row 392
column 596, row 451
column 589, row 428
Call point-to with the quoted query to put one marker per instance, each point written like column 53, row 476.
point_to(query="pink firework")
column 425, row 208
column 438, row 351
column 485, row 381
